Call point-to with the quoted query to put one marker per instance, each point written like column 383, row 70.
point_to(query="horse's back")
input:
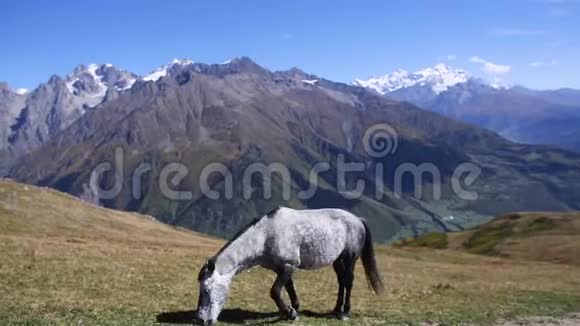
column 315, row 238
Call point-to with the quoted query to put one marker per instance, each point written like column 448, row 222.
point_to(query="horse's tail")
column 374, row 278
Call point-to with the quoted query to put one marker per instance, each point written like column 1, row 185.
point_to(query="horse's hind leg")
column 339, row 269
column 292, row 294
column 349, row 265
column 284, row 275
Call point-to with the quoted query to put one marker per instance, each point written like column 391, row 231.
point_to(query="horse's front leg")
column 284, row 275
column 292, row 294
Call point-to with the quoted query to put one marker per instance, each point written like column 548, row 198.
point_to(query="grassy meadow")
column 64, row 262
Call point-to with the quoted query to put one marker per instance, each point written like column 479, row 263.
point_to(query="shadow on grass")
column 176, row 317
column 233, row 316
column 314, row 314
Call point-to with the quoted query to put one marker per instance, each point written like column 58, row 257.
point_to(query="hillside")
column 240, row 113
column 65, row 262
column 45, row 213
column 550, row 237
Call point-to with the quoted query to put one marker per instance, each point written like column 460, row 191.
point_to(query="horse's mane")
column 270, row 214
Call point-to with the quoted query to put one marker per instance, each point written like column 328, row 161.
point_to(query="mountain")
column 523, row 115
column 238, row 114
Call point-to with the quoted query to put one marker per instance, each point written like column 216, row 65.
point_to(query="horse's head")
column 213, row 291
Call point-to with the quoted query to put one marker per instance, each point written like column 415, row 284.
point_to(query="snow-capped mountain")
column 438, row 78
column 31, row 118
column 517, row 113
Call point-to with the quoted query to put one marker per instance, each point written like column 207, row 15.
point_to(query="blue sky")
column 531, row 42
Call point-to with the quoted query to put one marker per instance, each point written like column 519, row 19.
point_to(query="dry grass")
column 65, row 263
column 540, row 236
column 530, row 236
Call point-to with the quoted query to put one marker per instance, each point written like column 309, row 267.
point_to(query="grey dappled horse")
column 286, row 240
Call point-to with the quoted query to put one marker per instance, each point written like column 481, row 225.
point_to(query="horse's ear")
column 207, row 270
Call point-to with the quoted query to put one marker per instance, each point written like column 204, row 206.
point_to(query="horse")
column 284, row 241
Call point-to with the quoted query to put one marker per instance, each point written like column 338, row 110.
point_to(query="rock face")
column 238, row 114
column 11, row 103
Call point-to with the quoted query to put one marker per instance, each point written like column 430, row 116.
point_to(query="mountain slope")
column 32, row 211
column 521, row 115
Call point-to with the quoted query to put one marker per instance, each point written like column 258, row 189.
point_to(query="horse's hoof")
column 292, row 314
column 343, row 316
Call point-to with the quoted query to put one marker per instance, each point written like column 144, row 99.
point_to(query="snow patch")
column 21, row 91
column 310, row 81
column 69, row 85
column 129, row 84
column 92, row 69
column 156, row 74
column 181, row 62
column 162, row 71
